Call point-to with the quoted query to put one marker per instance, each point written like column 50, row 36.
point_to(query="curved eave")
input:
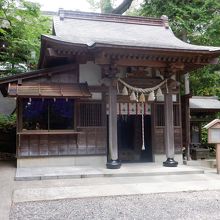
column 46, row 41
column 58, row 41
column 158, row 49
column 54, row 41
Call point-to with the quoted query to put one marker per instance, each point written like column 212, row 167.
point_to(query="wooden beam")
column 101, row 60
column 134, row 62
column 103, row 89
column 177, row 66
column 214, row 61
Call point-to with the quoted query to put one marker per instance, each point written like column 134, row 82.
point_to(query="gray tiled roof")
column 204, row 102
column 90, row 32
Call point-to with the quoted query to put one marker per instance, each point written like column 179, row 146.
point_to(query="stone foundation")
column 62, row 161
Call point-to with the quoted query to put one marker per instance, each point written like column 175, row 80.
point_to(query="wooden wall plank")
column 63, row 145
column 24, row 146
column 53, row 145
column 82, row 143
column 72, row 145
column 43, row 145
column 91, row 141
column 34, row 145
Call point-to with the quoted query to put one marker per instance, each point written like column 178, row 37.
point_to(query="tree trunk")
column 123, row 7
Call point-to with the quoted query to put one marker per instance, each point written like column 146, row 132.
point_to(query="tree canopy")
column 21, row 25
column 109, row 6
column 196, row 22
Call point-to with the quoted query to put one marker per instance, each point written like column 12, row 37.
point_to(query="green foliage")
column 206, row 82
column 21, row 25
column 105, row 6
column 134, row 9
column 7, row 123
column 196, row 22
column 110, row 6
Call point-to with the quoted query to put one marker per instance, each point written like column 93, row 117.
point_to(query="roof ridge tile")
column 110, row 17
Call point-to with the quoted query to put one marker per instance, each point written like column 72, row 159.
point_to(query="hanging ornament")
column 125, row 91
column 142, row 98
column 151, row 97
column 137, row 95
column 117, row 88
column 159, row 93
column 133, row 96
column 173, row 77
column 29, row 102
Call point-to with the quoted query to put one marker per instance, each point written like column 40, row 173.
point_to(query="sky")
column 54, row 5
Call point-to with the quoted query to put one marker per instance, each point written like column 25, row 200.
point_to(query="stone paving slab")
column 55, row 193
column 142, row 169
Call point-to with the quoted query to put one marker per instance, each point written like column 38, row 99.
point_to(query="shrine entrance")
column 130, row 134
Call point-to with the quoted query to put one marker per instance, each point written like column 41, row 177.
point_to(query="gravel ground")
column 184, row 205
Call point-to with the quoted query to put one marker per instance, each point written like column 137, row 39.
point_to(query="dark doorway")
column 130, row 138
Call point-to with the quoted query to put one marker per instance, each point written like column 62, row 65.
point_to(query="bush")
column 7, row 123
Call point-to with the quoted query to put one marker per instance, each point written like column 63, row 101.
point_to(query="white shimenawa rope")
column 140, row 90
column 142, row 124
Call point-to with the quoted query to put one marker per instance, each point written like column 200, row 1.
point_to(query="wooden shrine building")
column 203, row 109
column 107, row 91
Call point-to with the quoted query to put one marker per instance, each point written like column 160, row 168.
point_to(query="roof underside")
column 79, row 90
column 204, row 103
column 84, row 29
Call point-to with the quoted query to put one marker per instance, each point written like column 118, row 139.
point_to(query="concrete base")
column 61, row 161
column 160, row 158
column 113, row 164
column 170, row 162
column 210, row 163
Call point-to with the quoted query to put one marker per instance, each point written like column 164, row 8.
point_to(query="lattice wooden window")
column 160, row 115
column 90, row 114
column 48, row 114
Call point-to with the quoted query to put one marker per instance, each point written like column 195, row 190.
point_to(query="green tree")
column 196, row 22
column 109, row 6
column 21, row 25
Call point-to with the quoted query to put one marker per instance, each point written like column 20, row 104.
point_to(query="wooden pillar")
column 187, row 121
column 169, row 132
column 113, row 162
column 218, row 158
column 187, row 115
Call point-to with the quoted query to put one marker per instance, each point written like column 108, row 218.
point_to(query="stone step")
column 127, row 170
